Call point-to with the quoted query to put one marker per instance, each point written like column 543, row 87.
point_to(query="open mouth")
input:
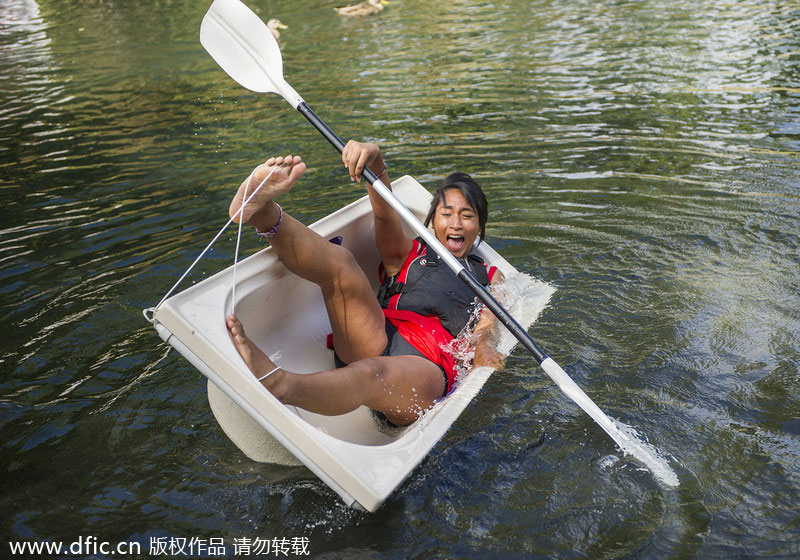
column 455, row 242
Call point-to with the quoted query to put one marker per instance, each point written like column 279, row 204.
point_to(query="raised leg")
column 356, row 317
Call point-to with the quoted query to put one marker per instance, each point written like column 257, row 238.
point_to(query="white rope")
column 238, row 241
column 200, row 256
column 263, row 377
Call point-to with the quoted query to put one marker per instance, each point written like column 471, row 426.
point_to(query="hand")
column 488, row 355
column 358, row 155
column 487, row 336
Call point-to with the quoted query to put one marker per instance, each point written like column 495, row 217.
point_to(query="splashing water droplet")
column 605, row 464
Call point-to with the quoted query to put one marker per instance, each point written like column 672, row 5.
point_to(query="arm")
column 487, row 333
column 393, row 244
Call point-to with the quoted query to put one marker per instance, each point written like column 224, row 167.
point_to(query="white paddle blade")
column 629, row 443
column 240, row 42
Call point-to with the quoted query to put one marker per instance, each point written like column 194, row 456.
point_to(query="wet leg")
column 402, row 387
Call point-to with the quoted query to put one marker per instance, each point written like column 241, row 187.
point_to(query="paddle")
column 244, row 47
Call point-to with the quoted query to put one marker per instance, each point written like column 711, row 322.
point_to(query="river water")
column 643, row 158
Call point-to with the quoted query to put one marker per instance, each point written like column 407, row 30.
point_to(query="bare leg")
column 402, row 387
column 356, row 317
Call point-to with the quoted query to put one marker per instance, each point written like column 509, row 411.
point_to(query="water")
column 641, row 157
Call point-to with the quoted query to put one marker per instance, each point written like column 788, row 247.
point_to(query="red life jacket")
column 428, row 304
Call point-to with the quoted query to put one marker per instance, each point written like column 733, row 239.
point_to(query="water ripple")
column 642, row 157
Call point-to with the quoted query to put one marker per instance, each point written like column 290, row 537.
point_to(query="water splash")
column 647, row 454
column 525, row 297
column 627, row 438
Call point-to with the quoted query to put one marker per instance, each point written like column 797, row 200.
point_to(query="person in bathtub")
column 390, row 350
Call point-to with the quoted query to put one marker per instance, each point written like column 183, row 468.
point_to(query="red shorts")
column 424, row 334
column 428, row 336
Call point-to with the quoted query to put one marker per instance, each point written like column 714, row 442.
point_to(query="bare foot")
column 258, row 362
column 260, row 209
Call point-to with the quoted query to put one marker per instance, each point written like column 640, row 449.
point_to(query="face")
column 456, row 224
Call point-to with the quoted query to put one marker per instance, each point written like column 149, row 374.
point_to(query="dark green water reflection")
column 642, row 157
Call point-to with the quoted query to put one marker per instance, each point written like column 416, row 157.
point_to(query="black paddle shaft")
column 477, row 288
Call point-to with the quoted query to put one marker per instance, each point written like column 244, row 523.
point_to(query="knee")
column 344, row 271
column 373, row 373
column 343, row 261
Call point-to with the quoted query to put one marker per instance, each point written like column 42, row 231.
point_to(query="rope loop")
column 245, row 200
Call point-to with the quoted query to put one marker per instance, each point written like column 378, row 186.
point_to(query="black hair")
column 471, row 191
